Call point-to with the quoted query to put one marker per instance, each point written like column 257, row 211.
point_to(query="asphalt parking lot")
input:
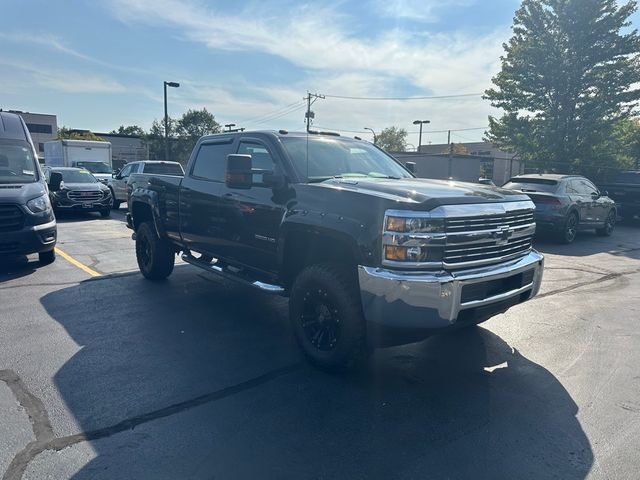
column 104, row 375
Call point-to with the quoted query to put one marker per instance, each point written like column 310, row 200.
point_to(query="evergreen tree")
column 568, row 78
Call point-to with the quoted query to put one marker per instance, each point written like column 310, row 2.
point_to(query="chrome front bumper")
column 426, row 302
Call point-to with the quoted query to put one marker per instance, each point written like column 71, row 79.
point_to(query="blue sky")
column 98, row 65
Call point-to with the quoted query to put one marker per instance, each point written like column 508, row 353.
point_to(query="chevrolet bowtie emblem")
column 502, row 235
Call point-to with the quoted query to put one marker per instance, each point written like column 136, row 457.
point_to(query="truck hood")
column 422, row 193
column 20, row 193
column 84, row 187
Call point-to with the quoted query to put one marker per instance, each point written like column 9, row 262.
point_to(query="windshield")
column 94, row 167
column 77, row 176
column 532, row 185
column 17, row 164
column 321, row 158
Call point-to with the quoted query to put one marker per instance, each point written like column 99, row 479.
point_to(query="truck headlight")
column 39, row 204
column 413, row 224
column 412, row 239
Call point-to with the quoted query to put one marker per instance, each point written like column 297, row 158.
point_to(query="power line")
column 274, row 112
column 433, row 97
column 277, row 113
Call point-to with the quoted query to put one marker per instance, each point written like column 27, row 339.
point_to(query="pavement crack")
column 45, row 441
column 38, row 417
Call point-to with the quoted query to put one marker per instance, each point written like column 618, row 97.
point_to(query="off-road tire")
column 155, row 255
column 45, row 258
column 330, row 289
column 609, row 225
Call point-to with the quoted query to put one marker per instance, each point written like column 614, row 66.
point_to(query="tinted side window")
column 571, row 188
column 211, row 160
column 584, row 187
column 260, row 156
column 124, row 173
column 261, row 159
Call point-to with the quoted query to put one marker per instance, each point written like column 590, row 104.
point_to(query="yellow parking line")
column 78, row 264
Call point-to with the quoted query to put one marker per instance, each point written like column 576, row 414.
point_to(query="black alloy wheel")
column 320, row 320
column 609, row 225
column 570, row 228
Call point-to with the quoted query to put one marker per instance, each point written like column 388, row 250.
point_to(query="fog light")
column 398, row 254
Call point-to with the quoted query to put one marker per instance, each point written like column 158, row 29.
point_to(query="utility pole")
column 310, row 115
column 450, row 152
column 166, row 118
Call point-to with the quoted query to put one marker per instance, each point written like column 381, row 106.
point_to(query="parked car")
column 27, row 222
column 92, row 155
column 566, row 204
column 77, row 189
column 118, row 182
column 625, row 191
column 368, row 254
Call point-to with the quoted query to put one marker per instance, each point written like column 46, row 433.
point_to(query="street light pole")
column 375, row 137
column 166, row 118
column 420, row 122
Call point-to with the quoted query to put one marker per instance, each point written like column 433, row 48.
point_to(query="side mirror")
column 55, row 179
column 115, row 173
column 604, row 193
column 238, row 173
column 595, row 195
column 411, row 166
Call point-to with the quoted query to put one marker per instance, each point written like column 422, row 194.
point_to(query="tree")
column 183, row 134
column 568, row 78
column 392, row 139
column 129, row 130
column 72, row 134
column 456, row 149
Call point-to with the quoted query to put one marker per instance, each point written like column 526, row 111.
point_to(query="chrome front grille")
column 84, row 195
column 457, row 237
column 511, row 220
column 488, row 239
column 489, row 251
column 11, row 218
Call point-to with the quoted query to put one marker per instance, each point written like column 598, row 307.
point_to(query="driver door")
column 119, row 183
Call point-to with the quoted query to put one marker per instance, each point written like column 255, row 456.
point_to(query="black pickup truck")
column 368, row 255
column 624, row 189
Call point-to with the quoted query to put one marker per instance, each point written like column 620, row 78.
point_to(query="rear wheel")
column 570, row 229
column 326, row 315
column 609, row 225
column 45, row 258
column 155, row 255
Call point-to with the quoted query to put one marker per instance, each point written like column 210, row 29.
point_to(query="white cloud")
column 419, row 10
column 26, row 76
column 320, row 42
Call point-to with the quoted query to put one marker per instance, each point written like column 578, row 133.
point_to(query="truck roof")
column 277, row 133
column 548, row 176
column 81, row 143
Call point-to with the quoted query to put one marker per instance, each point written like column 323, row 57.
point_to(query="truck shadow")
column 13, row 267
column 465, row 405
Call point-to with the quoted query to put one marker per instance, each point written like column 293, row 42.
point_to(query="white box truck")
column 94, row 156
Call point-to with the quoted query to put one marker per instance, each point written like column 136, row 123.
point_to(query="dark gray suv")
column 566, row 204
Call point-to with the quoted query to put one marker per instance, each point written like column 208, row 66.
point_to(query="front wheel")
column 155, row 255
column 609, row 225
column 105, row 213
column 326, row 316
